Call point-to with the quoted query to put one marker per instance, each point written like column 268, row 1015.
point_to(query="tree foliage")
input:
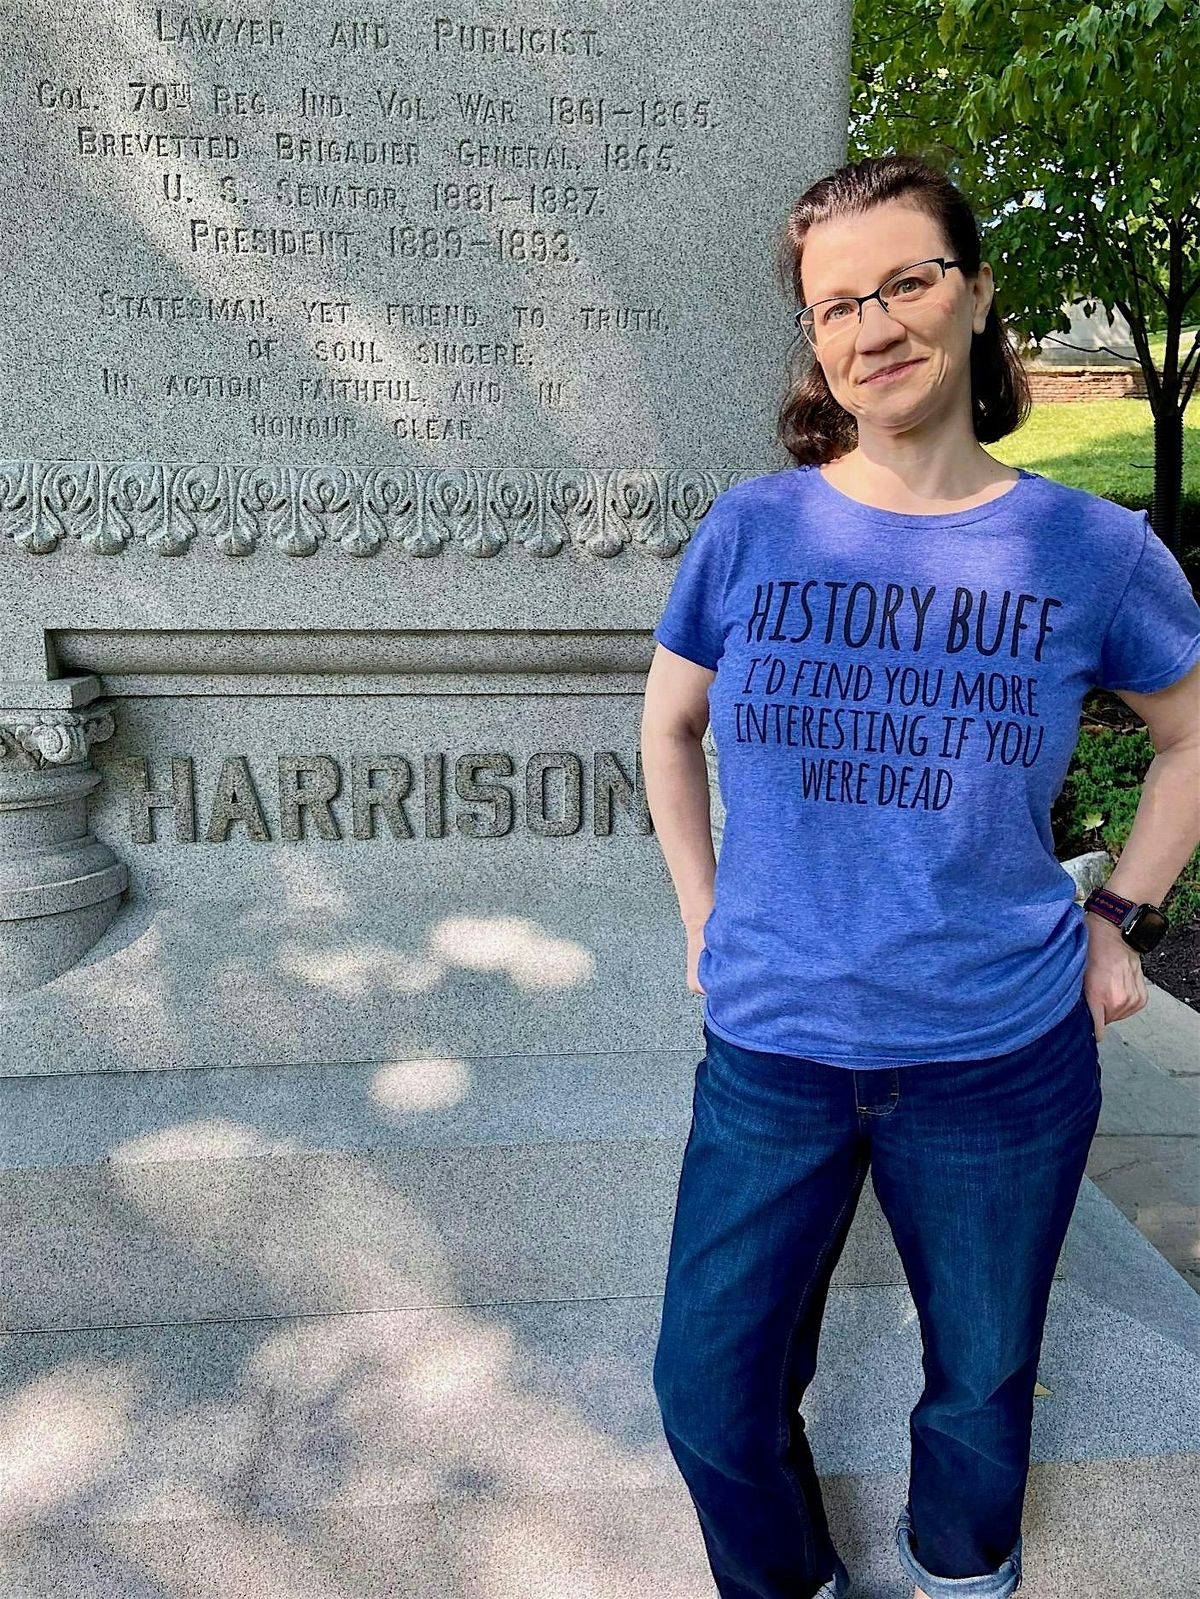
column 1075, row 132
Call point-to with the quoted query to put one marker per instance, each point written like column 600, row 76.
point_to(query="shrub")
column 1099, row 799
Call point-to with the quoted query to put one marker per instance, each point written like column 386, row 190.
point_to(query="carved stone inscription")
column 384, row 796
column 290, row 234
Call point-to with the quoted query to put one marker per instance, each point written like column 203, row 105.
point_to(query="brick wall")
column 1051, row 385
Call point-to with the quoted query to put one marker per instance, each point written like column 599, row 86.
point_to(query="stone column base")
column 60, row 887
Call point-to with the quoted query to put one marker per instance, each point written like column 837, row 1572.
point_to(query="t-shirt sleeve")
column 692, row 621
column 1154, row 636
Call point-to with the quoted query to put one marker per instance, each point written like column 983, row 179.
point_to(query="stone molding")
column 107, row 506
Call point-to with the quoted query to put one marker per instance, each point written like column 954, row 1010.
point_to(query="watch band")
column 1109, row 905
column 1142, row 926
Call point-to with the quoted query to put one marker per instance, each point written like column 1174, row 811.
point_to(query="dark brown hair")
column 813, row 427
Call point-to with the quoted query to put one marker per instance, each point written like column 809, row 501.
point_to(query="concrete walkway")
column 346, row 1318
column 1146, row 1154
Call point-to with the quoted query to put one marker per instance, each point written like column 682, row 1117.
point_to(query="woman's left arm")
column 1165, row 832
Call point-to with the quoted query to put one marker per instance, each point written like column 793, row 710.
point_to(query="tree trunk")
column 1166, row 512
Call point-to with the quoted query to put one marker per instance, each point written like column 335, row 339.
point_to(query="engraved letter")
column 293, row 799
column 610, row 778
column 535, row 795
column 366, row 799
column 236, row 800
column 143, row 803
column 435, row 800
column 467, row 788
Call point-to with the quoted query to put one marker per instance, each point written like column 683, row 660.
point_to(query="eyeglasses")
column 920, row 286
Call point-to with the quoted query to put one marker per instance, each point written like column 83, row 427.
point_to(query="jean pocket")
column 1086, row 1018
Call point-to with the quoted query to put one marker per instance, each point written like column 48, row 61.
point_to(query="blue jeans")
column 977, row 1165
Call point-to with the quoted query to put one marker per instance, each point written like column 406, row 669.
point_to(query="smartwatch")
column 1142, row 926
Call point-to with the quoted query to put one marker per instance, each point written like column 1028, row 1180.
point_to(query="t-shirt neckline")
column 1010, row 499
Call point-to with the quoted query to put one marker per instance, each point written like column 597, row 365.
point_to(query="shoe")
column 838, row 1585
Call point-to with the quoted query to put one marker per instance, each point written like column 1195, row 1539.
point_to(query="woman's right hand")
column 695, row 943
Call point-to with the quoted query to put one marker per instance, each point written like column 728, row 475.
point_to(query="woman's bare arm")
column 674, row 719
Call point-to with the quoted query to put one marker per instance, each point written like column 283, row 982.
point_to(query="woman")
column 894, row 638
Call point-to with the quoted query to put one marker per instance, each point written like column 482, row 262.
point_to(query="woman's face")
column 855, row 255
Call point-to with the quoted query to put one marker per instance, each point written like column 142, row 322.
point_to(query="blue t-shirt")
column 895, row 706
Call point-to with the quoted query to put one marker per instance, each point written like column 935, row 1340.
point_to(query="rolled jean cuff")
column 998, row 1584
column 838, row 1585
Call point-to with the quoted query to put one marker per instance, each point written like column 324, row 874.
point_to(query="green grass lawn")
column 1105, row 446
column 1158, row 345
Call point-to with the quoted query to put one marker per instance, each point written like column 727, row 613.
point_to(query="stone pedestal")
column 60, row 886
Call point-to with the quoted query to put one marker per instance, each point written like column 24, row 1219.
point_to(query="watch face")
column 1146, row 928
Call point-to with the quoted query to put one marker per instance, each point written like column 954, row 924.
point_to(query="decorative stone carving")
column 109, row 505
column 55, row 738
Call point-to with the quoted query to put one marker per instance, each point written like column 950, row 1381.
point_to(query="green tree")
column 1075, row 131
